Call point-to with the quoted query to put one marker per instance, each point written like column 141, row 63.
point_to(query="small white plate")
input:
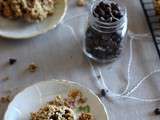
column 32, row 98
column 18, row 29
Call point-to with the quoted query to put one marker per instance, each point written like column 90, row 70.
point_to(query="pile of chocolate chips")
column 107, row 12
column 104, row 45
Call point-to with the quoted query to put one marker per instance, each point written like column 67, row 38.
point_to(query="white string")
column 132, row 37
column 141, row 81
column 110, row 93
column 129, row 67
column 135, row 98
column 138, row 36
column 125, row 94
column 70, row 18
column 96, row 74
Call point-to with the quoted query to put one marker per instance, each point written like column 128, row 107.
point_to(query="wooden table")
column 58, row 56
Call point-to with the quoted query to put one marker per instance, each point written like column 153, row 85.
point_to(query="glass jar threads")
column 107, row 26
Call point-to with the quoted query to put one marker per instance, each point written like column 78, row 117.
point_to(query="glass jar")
column 104, row 40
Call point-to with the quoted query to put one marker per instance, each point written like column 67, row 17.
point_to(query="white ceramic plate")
column 17, row 29
column 32, row 98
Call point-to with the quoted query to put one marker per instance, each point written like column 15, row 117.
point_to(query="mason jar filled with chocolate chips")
column 106, row 30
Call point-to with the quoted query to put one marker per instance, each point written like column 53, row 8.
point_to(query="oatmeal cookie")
column 53, row 112
column 30, row 10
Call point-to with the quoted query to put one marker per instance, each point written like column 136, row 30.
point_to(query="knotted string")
column 126, row 93
column 97, row 71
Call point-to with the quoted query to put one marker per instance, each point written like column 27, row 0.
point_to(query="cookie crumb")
column 32, row 67
column 5, row 99
column 4, row 78
column 85, row 116
column 81, row 3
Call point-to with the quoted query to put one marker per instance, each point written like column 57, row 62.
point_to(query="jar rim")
column 122, row 7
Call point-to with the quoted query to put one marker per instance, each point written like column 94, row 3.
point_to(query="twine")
column 97, row 71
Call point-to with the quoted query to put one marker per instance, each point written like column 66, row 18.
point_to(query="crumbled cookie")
column 30, row 10
column 32, row 67
column 76, row 96
column 59, row 101
column 4, row 78
column 81, row 3
column 85, row 116
column 5, row 99
column 54, row 110
column 62, row 109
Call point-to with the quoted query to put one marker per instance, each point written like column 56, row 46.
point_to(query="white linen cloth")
column 59, row 56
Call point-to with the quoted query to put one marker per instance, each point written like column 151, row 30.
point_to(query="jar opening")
column 104, row 23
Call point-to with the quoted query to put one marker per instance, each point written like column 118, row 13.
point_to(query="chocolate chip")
column 107, row 5
column 95, row 15
column 102, row 5
column 99, row 77
column 99, row 11
column 115, row 12
column 118, row 15
column 157, row 111
column 53, row 117
column 106, row 11
column 67, row 111
column 115, row 6
column 102, row 45
column 12, row 61
column 63, row 115
column 107, row 16
column 96, row 10
column 103, row 92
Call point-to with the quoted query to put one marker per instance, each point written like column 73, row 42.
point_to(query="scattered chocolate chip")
column 12, row 61
column 32, row 67
column 99, row 77
column 157, row 111
column 103, row 92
